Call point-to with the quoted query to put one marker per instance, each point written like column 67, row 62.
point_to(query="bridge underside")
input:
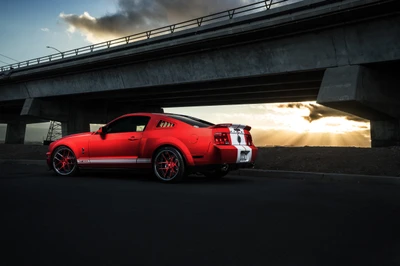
column 76, row 112
column 301, row 86
column 370, row 92
column 339, row 53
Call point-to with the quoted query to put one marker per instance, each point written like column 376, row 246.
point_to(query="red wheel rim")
column 64, row 161
column 167, row 165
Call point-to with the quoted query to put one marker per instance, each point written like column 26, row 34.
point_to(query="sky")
column 29, row 26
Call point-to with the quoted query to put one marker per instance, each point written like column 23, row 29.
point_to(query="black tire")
column 64, row 161
column 168, row 165
column 218, row 173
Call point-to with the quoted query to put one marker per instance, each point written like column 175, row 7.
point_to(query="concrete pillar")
column 385, row 133
column 115, row 110
column 370, row 93
column 64, row 129
column 77, row 123
column 15, row 133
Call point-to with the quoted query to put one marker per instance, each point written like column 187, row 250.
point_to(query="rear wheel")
column 218, row 173
column 168, row 165
column 64, row 161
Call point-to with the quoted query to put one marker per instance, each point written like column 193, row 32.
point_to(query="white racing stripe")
column 115, row 161
column 144, row 160
column 239, row 142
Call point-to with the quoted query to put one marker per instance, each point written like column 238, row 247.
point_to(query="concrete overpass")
column 341, row 53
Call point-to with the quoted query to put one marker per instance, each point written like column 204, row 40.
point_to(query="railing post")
column 231, row 13
column 133, row 38
column 270, row 3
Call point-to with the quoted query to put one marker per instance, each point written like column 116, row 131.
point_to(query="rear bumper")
column 229, row 154
column 210, row 167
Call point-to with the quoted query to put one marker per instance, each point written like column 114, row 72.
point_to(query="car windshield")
column 191, row 120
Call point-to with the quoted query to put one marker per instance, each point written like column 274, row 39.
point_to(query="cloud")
column 134, row 16
column 45, row 29
column 319, row 111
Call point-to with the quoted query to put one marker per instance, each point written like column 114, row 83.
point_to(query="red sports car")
column 172, row 145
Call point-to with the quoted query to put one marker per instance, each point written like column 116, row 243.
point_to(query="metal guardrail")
column 170, row 29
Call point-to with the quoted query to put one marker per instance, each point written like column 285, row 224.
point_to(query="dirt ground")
column 348, row 160
column 368, row 161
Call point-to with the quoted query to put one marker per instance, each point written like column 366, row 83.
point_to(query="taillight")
column 221, row 138
column 249, row 140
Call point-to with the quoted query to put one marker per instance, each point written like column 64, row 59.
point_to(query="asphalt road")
column 128, row 219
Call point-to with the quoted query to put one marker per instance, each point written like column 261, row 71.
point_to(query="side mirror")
column 102, row 131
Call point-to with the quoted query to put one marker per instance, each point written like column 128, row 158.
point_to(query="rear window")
column 191, row 120
column 163, row 123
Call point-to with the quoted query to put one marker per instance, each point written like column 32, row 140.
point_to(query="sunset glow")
column 285, row 125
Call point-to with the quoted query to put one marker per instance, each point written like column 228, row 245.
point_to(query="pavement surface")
column 312, row 176
column 126, row 218
column 300, row 163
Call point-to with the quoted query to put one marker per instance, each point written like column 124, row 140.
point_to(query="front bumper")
column 48, row 160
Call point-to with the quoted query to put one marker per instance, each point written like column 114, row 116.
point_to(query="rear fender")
column 152, row 145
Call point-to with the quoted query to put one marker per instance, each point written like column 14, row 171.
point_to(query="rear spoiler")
column 234, row 126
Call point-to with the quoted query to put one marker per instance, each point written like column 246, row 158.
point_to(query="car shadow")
column 146, row 176
column 197, row 179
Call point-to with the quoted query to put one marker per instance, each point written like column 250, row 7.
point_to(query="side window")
column 120, row 125
column 128, row 124
column 140, row 122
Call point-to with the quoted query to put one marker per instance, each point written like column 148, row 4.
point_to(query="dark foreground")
column 117, row 219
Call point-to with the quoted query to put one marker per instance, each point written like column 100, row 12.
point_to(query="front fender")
column 70, row 144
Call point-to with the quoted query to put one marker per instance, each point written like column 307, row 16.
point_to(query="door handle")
column 132, row 139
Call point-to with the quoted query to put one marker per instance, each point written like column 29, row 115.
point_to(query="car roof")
column 157, row 114
column 168, row 115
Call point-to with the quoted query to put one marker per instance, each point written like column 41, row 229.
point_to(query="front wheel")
column 64, row 161
column 168, row 165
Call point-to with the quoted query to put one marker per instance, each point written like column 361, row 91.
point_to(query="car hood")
column 78, row 135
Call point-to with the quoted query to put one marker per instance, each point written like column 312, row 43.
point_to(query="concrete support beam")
column 77, row 124
column 369, row 93
column 46, row 109
column 115, row 110
column 15, row 133
column 98, row 112
column 64, row 129
column 76, row 117
column 5, row 119
column 80, row 119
